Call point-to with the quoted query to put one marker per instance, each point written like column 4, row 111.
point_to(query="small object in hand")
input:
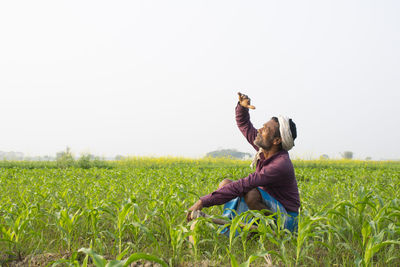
column 244, row 101
column 198, row 213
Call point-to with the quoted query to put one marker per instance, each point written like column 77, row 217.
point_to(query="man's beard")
column 264, row 144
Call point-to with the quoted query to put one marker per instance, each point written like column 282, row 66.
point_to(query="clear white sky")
column 161, row 77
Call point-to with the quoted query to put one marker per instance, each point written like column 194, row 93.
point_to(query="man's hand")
column 197, row 206
column 244, row 101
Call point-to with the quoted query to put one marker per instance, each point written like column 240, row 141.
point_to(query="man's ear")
column 277, row 140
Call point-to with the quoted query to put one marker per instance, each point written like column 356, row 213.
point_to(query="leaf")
column 234, row 262
column 252, row 258
column 122, row 254
column 85, row 261
column 143, row 256
column 98, row 260
column 115, row 263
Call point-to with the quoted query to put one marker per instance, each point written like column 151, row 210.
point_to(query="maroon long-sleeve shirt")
column 274, row 175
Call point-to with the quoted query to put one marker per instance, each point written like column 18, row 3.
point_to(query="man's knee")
column 224, row 182
column 254, row 200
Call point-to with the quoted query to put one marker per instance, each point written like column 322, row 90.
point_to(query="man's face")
column 266, row 135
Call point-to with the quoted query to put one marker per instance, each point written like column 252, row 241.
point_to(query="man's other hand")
column 197, row 206
column 244, row 101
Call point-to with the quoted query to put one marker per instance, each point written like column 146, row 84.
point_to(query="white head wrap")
column 286, row 134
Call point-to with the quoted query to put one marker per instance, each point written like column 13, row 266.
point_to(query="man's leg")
column 224, row 182
column 254, row 200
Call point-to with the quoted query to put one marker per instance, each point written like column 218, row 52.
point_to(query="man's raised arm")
column 243, row 119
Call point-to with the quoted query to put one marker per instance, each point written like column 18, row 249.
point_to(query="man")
column 273, row 185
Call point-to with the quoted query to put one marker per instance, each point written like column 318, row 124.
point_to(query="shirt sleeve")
column 269, row 175
column 245, row 126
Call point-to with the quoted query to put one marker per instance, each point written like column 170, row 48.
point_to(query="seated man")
column 273, row 185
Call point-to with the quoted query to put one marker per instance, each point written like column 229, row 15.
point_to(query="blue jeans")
column 239, row 205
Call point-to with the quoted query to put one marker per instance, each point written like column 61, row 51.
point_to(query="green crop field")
column 133, row 212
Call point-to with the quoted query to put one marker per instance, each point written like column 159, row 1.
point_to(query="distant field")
column 135, row 209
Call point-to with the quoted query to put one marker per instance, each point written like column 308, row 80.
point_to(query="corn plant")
column 350, row 214
column 66, row 222
column 100, row 261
